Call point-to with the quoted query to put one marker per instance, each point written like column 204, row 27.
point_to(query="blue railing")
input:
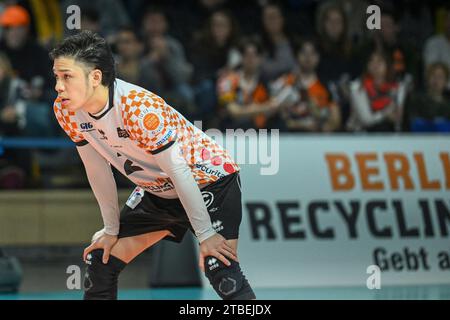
column 31, row 143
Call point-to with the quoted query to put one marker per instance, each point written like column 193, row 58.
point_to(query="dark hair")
column 387, row 59
column 248, row 41
column 91, row 49
column 130, row 29
column 299, row 42
column 206, row 35
column 267, row 43
column 322, row 15
column 154, row 9
column 91, row 13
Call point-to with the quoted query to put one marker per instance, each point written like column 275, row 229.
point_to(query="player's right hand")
column 216, row 246
column 105, row 242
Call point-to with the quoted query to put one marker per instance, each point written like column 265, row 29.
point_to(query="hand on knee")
column 100, row 280
column 228, row 282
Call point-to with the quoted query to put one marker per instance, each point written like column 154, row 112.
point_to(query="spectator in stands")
column 46, row 20
column 9, row 89
column 404, row 57
column 129, row 51
column 306, row 103
column 335, row 46
column 376, row 97
column 165, row 68
column 243, row 94
column 337, row 64
column 31, row 64
column 279, row 57
column 437, row 48
column 429, row 110
column 190, row 26
column 11, row 175
column 416, row 22
column 213, row 53
column 355, row 16
column 23, row 52
column 113, row 15
column 90, row 20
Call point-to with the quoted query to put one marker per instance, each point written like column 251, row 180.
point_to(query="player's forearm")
column 192, row 200
column 188, row 192
column 103, row 186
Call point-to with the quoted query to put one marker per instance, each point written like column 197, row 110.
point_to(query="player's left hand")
column 105, row 242
column 218, row 247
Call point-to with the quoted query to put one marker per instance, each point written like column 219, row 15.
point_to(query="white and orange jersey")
column 138, row 125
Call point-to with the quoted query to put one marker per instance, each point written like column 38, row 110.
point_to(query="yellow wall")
column 50, row 217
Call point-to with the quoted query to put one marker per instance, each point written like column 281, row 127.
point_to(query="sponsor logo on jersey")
column 151, row 121
column 157, row 186
column 86, row 127
column 165, row 138
column 103, row 137
column 208, row 197
column 210, row 171
column 130, row 168
column 121, row 133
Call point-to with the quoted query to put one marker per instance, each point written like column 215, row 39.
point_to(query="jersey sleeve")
column 150, row 121
column 67, row 123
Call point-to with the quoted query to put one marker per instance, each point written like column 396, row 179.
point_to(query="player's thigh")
column 126, row 249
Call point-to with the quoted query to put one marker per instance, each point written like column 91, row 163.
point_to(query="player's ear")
column 96, row 77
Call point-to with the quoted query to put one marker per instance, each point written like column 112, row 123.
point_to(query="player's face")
column 73, row 83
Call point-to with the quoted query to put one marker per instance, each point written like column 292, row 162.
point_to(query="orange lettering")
column 344, row 171
column 395, row 174
column 365, row 171
column 446, row 165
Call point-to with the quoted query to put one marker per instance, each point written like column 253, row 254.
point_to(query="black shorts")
column 146, row 212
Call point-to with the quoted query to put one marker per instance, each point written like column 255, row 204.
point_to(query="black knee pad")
column 100, row 280
column 229, row 282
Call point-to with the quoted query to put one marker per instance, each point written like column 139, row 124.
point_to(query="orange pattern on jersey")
column 136, row 105
column 151, row 121
column 67, row 124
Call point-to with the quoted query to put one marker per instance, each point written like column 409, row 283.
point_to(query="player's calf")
column 100, row 282
column 229, row 282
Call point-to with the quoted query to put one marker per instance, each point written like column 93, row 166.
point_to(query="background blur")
column 376, row 101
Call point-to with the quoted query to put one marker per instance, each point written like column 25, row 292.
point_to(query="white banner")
column 339, row 204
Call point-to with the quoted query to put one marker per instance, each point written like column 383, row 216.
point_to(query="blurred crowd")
column 293, row 65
